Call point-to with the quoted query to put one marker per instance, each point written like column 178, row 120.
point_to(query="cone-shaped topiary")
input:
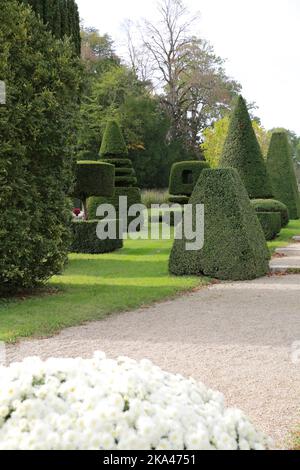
column 282, row 174
column 113, row 150
column 113, row 143
column 234, row 243
column 242, row 152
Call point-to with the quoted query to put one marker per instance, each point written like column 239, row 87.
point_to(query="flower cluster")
column 114, row 404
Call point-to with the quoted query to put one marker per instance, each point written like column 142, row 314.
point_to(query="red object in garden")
column 76, row 212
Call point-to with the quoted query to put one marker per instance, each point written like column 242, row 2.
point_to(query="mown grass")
column 94, row 286
column 285, row 236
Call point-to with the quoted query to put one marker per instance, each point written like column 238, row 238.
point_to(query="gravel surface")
column 235, row 337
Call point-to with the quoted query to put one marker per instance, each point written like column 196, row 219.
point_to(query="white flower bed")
column 122, row 404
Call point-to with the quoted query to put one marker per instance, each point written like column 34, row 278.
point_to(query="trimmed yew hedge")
column 242, row 152
column 282, row 173
column 234, row 246
column 85, row 240
column 271, row 224
column 184, row 177
column 113, row 150
column 272, row 205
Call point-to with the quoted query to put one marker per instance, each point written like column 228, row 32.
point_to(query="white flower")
column 104, row 404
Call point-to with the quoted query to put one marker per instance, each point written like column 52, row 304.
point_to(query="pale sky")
column 259, row 39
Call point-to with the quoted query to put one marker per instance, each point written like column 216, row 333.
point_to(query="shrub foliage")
column 282, row 173
column 272, row 205
column 242, row 152
column 85, row 240
column 43, row 79
column 234, row 243
column 184, row 176
column 271, row 223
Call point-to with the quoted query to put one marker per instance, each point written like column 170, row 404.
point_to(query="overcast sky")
column 259, row 39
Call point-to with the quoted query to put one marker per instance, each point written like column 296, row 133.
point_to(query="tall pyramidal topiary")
column 282, row 173
column 114, row 151
column 242, row 152
column 234, row 243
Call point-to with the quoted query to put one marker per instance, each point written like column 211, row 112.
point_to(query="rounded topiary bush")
column 242, row 152
column 271, row 223
column 179, row 199
column 102, row 404
column 282, row 173
column 234, row 243
column 272, row 205
column 85, row 239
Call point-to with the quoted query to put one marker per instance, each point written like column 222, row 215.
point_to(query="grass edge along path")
column 95, row 286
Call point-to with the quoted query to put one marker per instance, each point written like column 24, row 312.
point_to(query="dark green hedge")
column 118, row 162
column 133, row 195
column 282, row 173
column 125, row 181
column 191, row 170
column 272, row 205
column 242, row 152
column 124, row 171
column 179, row 199
column 113, row 142
column 85, row 240
column 271, row 224
column 235, row 247
column 94, row 179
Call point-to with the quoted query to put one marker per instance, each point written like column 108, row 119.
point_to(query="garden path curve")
column 235, row 337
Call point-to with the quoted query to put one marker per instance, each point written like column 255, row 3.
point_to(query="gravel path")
column 234, row 337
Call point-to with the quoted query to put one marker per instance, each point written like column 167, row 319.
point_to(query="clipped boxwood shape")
column 272, row 205
column 242, row 152
column 282, row 173
column 93, row 178
column 85, row 240
column 271, row 224
column 184, row 176
column 113, row 150
column 234, row 246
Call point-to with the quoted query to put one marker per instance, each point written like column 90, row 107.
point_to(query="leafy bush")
column 272, row 205
column 85, row 240
column 61, row 17
column 43, row 80
column 282, row 173
column 242, row 152
column 184, row 176
column 102, row 404
column 154, row 196
column 234, row 243
column 271, row 223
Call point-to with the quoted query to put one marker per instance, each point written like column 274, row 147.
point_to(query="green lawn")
column 285, row 236
column 94, row 286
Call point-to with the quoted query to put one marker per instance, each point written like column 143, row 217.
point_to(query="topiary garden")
column 114, row 151
column 234, row 243
column 93, row 178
